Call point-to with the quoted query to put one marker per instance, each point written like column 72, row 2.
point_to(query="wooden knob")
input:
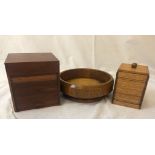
column 134, row 65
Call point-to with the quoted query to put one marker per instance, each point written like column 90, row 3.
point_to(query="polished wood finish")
column 130, row 85
column 33, row 80
column 140, row 69
column 126, row 104
column 132, row 76
column 84, row 82
column 75, row 84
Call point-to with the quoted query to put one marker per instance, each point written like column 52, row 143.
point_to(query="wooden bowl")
column 86, row 85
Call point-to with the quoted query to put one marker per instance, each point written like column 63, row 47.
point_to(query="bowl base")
column 83, row 100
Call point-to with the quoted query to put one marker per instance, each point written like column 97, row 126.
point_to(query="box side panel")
column 11, row 88
column 36, row 92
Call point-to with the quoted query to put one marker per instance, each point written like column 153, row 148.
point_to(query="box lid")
column 30, row 57
column 26, row 64
column 134, row 68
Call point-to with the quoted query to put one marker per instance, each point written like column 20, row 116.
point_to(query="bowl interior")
column 86, row 77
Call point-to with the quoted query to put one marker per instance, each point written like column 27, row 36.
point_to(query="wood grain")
column 131, row 76
column 33, row 80
column 84, row 82
column 83, row 92
column 140, row 69
column 130, row 85
column 131, row 105
column 127, row 98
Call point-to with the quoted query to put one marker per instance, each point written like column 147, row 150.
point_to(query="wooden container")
column 33, row 80
column 86, row 85
column 130, row 85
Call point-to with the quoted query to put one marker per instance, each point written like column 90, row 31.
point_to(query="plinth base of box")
column 130, row 105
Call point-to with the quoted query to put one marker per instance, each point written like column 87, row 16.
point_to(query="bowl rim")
column 75, row 86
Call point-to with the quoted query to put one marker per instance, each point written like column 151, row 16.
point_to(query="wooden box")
column 130, row 85
column 33, row 80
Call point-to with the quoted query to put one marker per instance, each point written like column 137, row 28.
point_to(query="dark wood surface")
column 27, row 64
column 33, row 80
column 86, row 93
column 130, row 85
column 30, row 57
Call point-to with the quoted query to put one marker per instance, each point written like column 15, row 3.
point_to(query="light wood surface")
column 127, row 98
column 131, row 105
column 131, row 76
column 79, row 82
column 130, row 85
column 86, row 84
column 140, row 69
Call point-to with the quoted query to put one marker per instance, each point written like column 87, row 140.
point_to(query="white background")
column 97, row 51
column 104, row 52
column 81, row 17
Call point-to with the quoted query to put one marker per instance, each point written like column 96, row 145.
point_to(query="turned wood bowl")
column 85, row 85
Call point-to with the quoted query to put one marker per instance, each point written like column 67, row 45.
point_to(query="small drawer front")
column 127, row 98
column 129, row 87
column 35, row 91
column 131, row 76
